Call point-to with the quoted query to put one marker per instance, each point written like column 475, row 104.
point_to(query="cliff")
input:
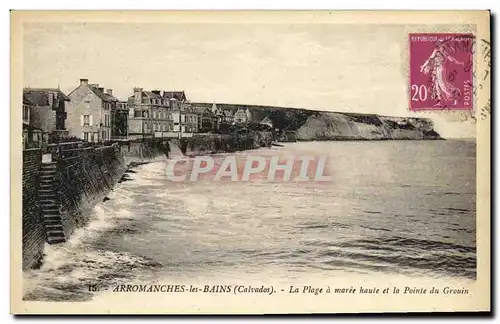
column 310, row 125
column 336, row 126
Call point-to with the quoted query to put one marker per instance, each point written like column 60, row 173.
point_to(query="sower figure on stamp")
column 436, row 67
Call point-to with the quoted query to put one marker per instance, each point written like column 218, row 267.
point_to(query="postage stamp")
column 441, row 71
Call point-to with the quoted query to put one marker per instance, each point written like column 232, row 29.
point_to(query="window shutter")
column 81, row 120
column 90, row 120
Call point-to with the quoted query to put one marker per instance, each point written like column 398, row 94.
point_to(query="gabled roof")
column 101, row 94
column 179, row 95
column 40, row 96
column 266, row 120
column 244, row 110
column 202, row 110
column 151, row 95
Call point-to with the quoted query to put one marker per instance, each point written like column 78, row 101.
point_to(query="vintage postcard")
column 250, row 162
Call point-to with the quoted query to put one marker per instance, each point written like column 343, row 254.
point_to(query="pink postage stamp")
column 441, row 71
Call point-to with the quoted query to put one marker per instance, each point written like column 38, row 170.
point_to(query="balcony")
column 119, row 137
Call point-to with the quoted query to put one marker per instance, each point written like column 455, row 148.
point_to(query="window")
column 106, row 120
column 51, row 99
column 86, row 136
column 137, row 113
column 26, row 113
column 86, row 120
column 92, row 137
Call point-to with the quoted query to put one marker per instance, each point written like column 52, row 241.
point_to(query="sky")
column 345, row 68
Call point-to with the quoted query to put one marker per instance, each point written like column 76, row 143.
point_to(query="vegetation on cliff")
column 292, row 124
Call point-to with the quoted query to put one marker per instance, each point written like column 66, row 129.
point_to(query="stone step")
column 46, row 178
column 48, row 171
column 48, row 201
column 55, row 240
column 56, row 223
column 51, row 193
column 47, row 191
column 48, row 174
column 49, row 197
column 52, row 165
column 50, row 209
column 54, row 227
column 49, row 206
column 55, row 233
column 52, row 217
column 52, row 213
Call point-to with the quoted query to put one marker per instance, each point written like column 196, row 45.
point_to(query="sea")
column 397, row 208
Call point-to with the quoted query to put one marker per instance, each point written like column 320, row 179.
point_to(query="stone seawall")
column 80, row 177
column 219, row 143
column 84, row 176
column 33, row 229
column 139, row 151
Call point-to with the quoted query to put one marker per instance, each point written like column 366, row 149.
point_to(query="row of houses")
column 92, row 113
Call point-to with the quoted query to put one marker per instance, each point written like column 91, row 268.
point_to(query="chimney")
column 100, row 89
column 137, row 95
column 84, row 81
column 110, row 92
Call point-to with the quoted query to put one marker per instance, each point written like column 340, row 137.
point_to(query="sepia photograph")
column 179, row 160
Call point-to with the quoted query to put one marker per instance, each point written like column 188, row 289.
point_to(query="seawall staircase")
column 50, row 206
